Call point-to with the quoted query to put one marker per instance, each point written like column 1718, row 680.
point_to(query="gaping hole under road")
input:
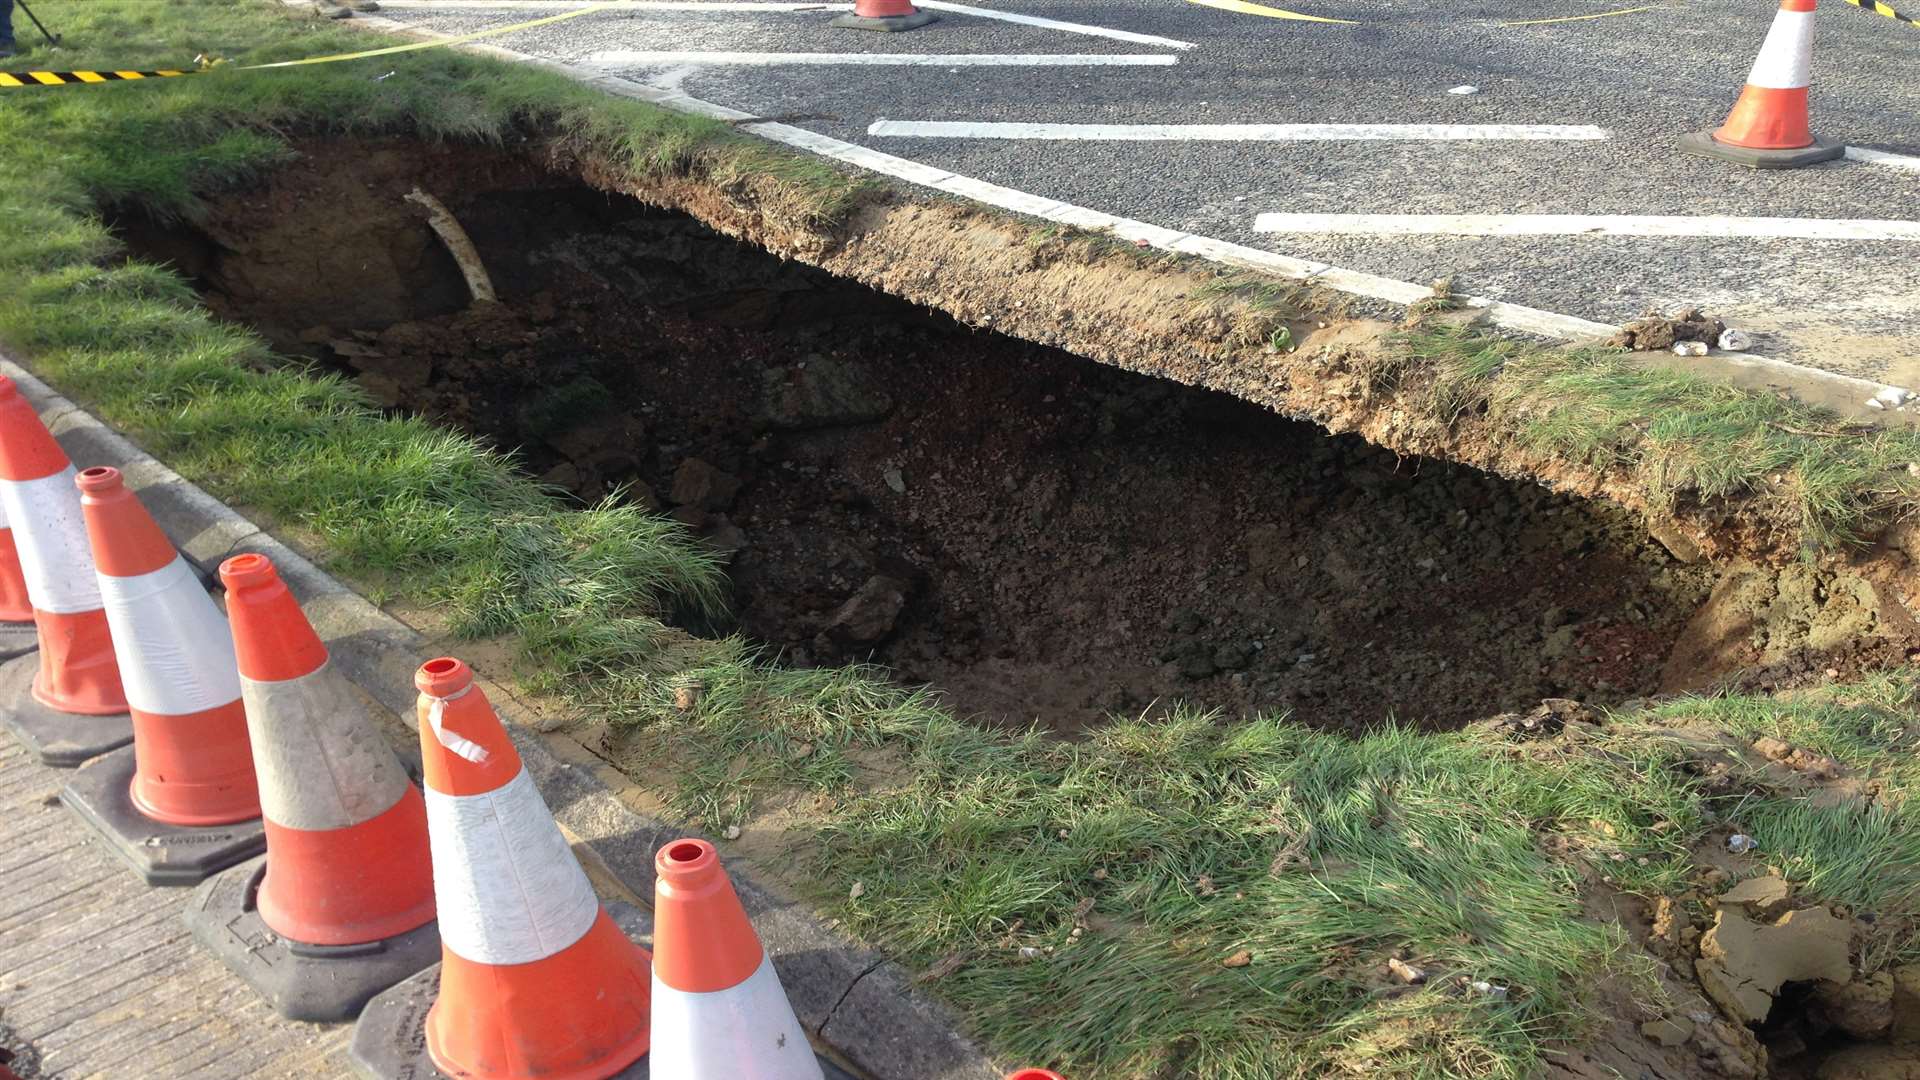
column 1040, row 536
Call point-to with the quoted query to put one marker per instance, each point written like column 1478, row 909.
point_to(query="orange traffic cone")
column 66, row 705
column 17, row 632
column 172, row 804
column 342, row 906
column 535, row 979
column 719, row 1012
column 1035, row 1074
column 885, row 15
column 1768, row 127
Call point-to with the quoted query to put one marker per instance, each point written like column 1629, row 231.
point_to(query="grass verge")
column 1078, row 902
column 1681, row 436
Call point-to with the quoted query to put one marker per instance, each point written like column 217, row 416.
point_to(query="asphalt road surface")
column 1642, row 77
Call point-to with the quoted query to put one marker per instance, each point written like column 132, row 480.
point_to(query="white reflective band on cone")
column 747, row 1032
column 1786, row 59
column 320, row 762
column 509, row 888
column 51, row 536
column 175, row 649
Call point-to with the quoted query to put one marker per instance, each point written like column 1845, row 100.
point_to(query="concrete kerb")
column 1844, row 394
column 894, row 1034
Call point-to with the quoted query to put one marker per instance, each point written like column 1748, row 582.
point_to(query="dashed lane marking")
column 752, row 59
column 1588, row 225
column 960, row 129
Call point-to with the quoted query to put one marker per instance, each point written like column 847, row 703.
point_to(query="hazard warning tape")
column 1879, row 8
column 62, row 78
column 20, row 79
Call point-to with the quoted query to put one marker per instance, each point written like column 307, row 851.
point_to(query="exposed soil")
column 1748, row 980
column 1042, row 537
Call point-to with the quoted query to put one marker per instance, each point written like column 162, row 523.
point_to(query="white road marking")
column 760, row 6
column 611, row 5
column 772, row 6
column 759, row 59
column 1587, row 225
column 943, row 129
column 1881, row 157
column 1054, row 24
column 1517, row 317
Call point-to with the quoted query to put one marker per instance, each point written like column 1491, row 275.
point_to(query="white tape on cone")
column 51, row 536
column 321, row 763
column 453, row 740
column 509, row 888
column 174, row 646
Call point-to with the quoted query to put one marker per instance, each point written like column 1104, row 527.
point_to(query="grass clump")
column 393, row 502
column 1680, row 435
column 1175, row 845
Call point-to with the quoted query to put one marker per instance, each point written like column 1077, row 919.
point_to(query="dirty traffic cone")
column 17, row 632
column 535, row 978
column 886, row 16
column 181, row 802
column 718, row 1009
column 65, row 703
column 342, row 906
column 1768, row 128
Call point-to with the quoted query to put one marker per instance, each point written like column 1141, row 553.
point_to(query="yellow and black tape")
column 19, row 79
column 1879, row 8
column 62, row 78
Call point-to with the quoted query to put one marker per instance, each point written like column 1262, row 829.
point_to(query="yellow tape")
column 69, row 78
column 1582, row 18
column 1881, row 9
column 1244, row 7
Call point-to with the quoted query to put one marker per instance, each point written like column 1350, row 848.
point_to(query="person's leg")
column 6, row 28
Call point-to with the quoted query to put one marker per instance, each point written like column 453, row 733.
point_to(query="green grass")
column 161, row 145
column 1171, row 844
column 1681, row 436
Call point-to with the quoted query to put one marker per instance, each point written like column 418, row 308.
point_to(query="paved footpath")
column 1460, row 124
column 98, row 975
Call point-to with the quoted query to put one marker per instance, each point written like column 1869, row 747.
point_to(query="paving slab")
column 100, row 978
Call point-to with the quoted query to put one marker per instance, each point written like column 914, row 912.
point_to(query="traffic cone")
column 66, row 703
column 17, row 632
column 342, row 906
column 535, row 979
column 1035, row 1074
column 181, row 803
column 719, row 1011
column 886, row 16
column 1768, row 127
